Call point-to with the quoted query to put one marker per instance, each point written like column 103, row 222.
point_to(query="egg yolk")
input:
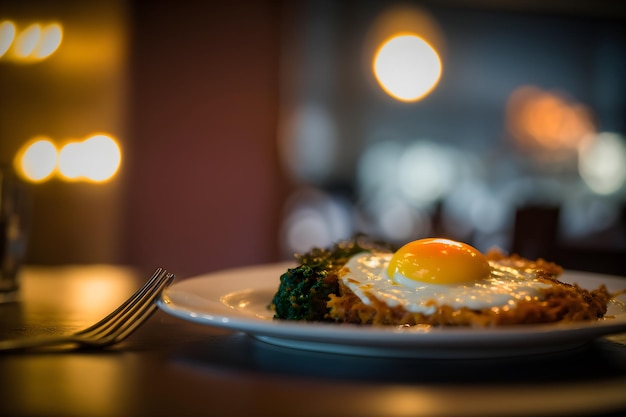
column 439, row 261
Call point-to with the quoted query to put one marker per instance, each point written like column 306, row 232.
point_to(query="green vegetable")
column 304, row 290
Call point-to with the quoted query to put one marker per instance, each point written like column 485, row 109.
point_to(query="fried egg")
column 428, row 273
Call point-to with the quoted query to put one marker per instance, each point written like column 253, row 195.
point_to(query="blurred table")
column 171, row 367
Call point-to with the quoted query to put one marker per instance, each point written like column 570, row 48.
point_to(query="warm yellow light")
column 548, row 123
column 27, row 41
column 37, row 160
column 34, row 43
column 49, row 41
column 7, row 35
column 96, row 159
column 105, row 157
column 407, row 67
column 71, row 161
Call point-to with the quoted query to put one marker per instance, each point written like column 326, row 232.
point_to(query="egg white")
column 365, row 274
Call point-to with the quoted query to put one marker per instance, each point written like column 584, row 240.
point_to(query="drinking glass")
column 13, row 232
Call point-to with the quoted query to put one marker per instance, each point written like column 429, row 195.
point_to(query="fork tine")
column 142, row 314
column 129, row 311
column 128, row 320
column 130, row 328
column 129, row 302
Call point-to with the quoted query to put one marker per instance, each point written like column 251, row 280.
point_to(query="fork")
column 112, row 329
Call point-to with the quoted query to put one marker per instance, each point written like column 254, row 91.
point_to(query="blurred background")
column 206, row 135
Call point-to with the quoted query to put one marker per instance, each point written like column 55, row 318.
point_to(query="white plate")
column 237, row 299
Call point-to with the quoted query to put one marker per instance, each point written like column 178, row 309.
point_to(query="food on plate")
column 304, row 291
column 432, row 281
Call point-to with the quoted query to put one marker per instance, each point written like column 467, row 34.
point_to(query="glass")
column 13, row 232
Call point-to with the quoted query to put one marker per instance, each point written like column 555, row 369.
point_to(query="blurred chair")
column 536, row 235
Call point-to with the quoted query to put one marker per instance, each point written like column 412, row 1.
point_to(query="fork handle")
column 13, row 345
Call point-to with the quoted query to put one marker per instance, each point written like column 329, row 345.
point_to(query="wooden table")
column 171, row 367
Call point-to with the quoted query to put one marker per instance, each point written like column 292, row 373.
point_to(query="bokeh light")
column 49, row 42
column 419, row 172
column 584, row 214
column 37, row 160
column 407, row 67
column 308, row 144
column 548, row 124
column 401, row 185
column 105, row 156
column 31, row 44
column 96, row 159
column 71, row 163
column 602, row 163
column 27, row 40
column 377, row 166
column 314, row 218
column 7, row 35
column 395, row 220
column 426, row 172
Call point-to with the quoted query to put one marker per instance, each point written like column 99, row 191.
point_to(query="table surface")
column 173, row 367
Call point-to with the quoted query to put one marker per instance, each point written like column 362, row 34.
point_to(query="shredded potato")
column 560, row 302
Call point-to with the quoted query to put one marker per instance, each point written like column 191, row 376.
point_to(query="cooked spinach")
column 304, row 290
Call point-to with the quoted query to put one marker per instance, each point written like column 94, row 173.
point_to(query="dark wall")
column 204, row 190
